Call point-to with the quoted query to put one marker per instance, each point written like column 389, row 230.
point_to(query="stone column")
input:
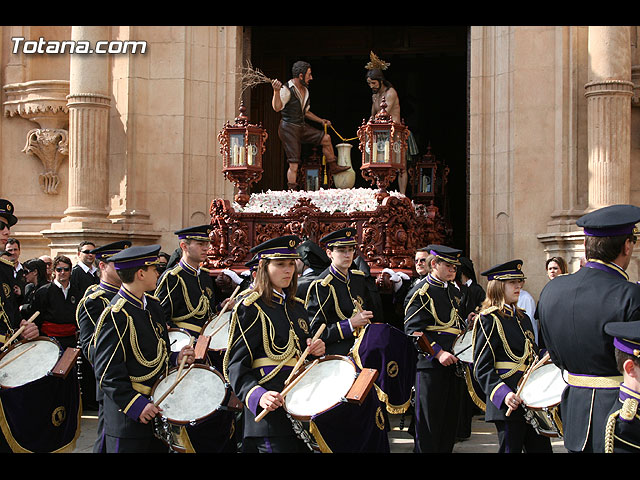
column 89, row 102
column 609, row 93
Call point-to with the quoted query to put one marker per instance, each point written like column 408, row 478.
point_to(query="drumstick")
column 173, row 387
column 19, row 331
column 288, row 388
column 224, row 308
column 184, row 359
column 17, row 356
column 305, row 353
column 536, row 365
column 213, row 334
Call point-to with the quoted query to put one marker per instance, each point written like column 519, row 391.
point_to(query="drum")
column 462, row 347
column 333, row 402
column 541, row 396
column 178, row 338
column 218, row 331
column 28, row 361
column 196, row 416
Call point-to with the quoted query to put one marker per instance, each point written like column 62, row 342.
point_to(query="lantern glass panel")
column 253, row 149
column 312, row 180
column 426, row 180
column 396, row 153
column 237, row 149
column 381, row 154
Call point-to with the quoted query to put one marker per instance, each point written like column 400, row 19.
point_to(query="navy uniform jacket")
column 331, row 300
column 126, row 371
column 9, row 308
column 435, row 310
column 264, row 345
column 495, row 332
column 186, row 295
column 622, row 434
column 96, row 299
column 573, row 310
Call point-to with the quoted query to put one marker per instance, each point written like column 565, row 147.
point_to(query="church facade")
column 122, row 144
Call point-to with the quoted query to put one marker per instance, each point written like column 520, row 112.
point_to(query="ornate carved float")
column 389, row 229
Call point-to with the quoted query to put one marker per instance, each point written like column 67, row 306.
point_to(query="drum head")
column 218, row 331
column 544, row 387
column 29, row 361
column 198, row 395
column 178, row 338
column 324, row 386
column 462, row 347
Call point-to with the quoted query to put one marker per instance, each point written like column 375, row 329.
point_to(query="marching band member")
column 269, row 330
column 186, row 290
column 622, row 433
column 131, row 351
column 90, row 307
column 434, row 311
column 336, row 296
column 504, row 348
column 573, row 311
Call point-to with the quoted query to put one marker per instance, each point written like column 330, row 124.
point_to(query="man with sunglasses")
column 85, row 272
column 10, row 319
column 56, row 301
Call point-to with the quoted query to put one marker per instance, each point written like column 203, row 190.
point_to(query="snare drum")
column 541, row 396
column 178, row 338
column 40, row 401
column 462, row 347
column 217, row 330
column 343, row 416
column 28, row 361
column 196, row 416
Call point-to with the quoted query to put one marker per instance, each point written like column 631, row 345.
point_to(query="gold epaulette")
column 118, row 305
column 358, row 272
column 490, row 310
column 205, row 269
column 249, row 299
column 95, row 293
column 298, row 299
column 175, row 270
column 326, row 280
column 629, row 409
column 153, row 297
column 423, row 289
column 8, row 262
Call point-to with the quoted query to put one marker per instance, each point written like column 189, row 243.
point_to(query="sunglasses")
column 62, row 269
column 4, row 225
column 420, row 260
column 86, row 252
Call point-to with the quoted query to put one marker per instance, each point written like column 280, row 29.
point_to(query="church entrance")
column 428, row 68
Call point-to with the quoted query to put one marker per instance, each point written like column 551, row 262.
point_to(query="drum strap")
column 592, row 381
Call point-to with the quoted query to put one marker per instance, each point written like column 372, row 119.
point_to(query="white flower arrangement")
column 330, row 201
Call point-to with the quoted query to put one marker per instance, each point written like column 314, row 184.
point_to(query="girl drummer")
column 504, row 347
column 269, row 330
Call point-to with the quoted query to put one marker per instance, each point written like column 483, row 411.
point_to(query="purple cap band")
column 626, row 346
column 611, row 231
column 136, row 262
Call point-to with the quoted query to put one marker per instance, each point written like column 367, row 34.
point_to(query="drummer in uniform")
column 622, row 433
column 90, row 307
column 10, row 319
column 269, row 331
column 573, row 311
column 131, row 352
column 503, row 348
column 186, row 290
column 339, row 297
column 434, row 311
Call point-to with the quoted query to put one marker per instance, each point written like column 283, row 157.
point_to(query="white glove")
column 394, row 276
column 233, row 276
column 404, row 276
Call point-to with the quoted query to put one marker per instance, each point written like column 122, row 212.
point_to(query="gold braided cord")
column 520, row 361
column 161, row 351
column 454, row 317
column 203, row 303
column 609, row 432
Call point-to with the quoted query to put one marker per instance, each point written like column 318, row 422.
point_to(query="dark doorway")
column 428, row 68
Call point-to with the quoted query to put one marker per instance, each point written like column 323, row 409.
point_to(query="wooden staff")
column 535, row 366
column 173, row 387
column 288, row 388
column 305, row 353
column 17, row 356
column 19, row 331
